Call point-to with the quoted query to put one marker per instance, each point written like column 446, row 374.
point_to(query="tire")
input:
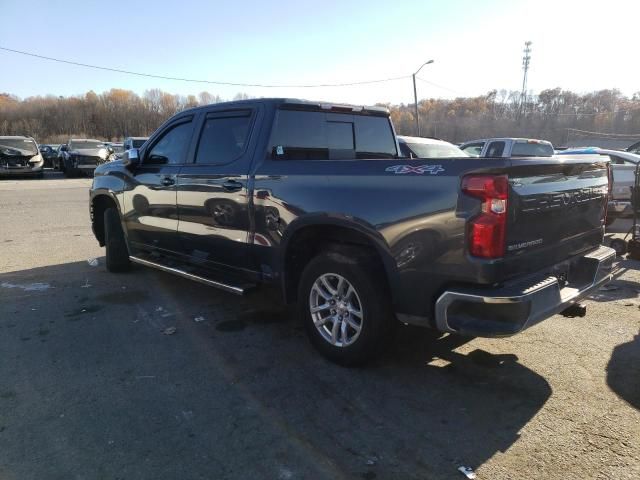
column 371, row 295
column 117, row 257
column 619, row 245
column 634, row 250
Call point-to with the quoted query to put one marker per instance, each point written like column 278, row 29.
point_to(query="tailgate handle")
column 232, row 185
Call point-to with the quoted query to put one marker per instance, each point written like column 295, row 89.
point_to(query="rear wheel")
column 117, row 257
column 619, row 245
column 344, row 305
column 634, row 249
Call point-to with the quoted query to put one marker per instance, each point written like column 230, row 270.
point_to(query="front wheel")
column 345, row 307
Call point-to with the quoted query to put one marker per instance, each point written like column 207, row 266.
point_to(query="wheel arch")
column 100, row 201
column 309, row 236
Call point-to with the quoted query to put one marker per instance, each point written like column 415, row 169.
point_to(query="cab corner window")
column 172, row 147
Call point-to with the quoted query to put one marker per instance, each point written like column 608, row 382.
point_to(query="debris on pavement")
column 372, row 460
column 198, row 319
column 93, row 262
column 86, row 284
column 467, row 472
column 31, row 287
column 169, row 330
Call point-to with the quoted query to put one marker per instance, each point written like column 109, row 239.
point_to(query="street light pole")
column 415, row 104
column 415, row 95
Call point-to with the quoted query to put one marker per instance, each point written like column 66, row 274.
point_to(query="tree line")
column 118, row 113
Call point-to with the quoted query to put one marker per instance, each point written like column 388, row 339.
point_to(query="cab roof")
column 295, row 103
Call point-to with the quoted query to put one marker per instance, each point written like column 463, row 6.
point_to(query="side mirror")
column 131, row 158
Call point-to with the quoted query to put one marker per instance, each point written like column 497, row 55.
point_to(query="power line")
column 213, row 82
column 433, row 84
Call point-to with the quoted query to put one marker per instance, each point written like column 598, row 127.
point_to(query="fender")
column 338, row 220
column 107, row 186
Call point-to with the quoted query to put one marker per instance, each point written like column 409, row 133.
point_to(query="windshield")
column 84, row 144
column 435, row 150
column 138, row 143
column 522, row 149
column 118, row 148
column 23, row 144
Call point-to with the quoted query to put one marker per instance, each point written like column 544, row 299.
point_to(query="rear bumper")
column 504, row 311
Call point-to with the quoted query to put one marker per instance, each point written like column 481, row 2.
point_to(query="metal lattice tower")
column 526, row 58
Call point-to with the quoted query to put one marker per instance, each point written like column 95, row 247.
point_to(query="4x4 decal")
column 417, row 169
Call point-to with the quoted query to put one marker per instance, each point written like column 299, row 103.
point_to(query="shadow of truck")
column 232, row 402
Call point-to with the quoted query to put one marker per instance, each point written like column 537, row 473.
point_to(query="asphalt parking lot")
column 92, row 386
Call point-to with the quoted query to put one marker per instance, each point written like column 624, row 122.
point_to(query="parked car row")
column 81, row 157
column 21, row 155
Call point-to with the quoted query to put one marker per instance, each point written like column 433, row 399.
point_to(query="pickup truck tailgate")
column 556, row 209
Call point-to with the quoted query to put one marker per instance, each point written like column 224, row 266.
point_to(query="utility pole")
column 415, row 96
column 525, row 66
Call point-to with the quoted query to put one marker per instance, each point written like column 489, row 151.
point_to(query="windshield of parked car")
column 531, row 149
column 118, row 148
column 435, row 150
column 138, row 143
column 23, row 144
column 84, row 144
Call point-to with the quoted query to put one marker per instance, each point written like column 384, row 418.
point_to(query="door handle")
column 167, row 181
column 232, row 185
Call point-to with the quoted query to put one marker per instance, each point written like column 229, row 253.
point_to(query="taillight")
column 487, row 231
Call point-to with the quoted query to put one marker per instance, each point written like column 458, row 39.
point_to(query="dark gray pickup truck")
column 315, row 199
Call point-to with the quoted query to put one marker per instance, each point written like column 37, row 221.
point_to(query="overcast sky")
column 477, row 46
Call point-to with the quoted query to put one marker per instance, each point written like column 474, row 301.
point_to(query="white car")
column 623, row 170
column 421, row 147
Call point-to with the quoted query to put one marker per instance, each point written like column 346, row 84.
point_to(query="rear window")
column 138, row 143
column 434, row 150
column 304, row 135
column 531, row 149
column 473, row 149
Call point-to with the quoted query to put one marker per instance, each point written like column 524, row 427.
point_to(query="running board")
column 238, row 290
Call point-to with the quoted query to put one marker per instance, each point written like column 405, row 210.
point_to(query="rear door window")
column 310, row 135
column 224, row 137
